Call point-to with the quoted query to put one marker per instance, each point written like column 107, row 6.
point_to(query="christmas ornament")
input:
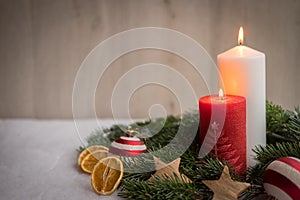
column 282, row 178
column 128, row 145
column 225, row 188
column 89, row 150
column 168, row 171
column 107, row 175
column 88, row 163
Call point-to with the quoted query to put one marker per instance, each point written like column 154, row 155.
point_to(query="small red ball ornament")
column 128, row 145
column 282, row 178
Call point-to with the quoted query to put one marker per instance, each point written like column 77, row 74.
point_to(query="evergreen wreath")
column 283, row 139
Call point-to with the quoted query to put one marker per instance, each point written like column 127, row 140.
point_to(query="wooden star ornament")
column 225, row 188
column 168, row 171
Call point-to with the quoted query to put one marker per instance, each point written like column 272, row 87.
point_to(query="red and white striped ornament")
column 282, row 178
column 127, row 146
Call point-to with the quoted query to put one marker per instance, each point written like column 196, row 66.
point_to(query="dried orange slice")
column 89, row 150
column 88, row 163
column 107, row 175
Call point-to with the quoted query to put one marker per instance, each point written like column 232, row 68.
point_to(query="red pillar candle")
column 223, row 128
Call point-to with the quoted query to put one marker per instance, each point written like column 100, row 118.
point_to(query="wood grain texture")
column 43, row 43
column 225, row 188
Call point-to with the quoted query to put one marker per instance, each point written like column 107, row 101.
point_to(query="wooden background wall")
column 43, row 42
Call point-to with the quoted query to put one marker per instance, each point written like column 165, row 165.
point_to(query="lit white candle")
column 243, row 72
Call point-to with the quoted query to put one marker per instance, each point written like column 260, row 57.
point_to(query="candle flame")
column 221, row 93
column 241, row 36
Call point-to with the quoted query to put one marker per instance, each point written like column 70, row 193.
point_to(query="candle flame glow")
column 221, row 93
column 241, row 36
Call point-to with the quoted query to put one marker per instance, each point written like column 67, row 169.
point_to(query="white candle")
column 242, row 71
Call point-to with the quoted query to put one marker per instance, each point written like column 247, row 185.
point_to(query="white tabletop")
column 38, row 160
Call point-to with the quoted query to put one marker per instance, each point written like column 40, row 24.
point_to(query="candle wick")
column 222, row 97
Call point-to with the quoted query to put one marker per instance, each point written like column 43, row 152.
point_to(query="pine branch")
column 160, row 189
column 282, row 125
column 209, row 168
column 135, row 165
column 276, row 118
column 294, row 124
column 271, row 152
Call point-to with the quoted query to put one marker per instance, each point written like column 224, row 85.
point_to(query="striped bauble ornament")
column 282, row 178
column 127, row 146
